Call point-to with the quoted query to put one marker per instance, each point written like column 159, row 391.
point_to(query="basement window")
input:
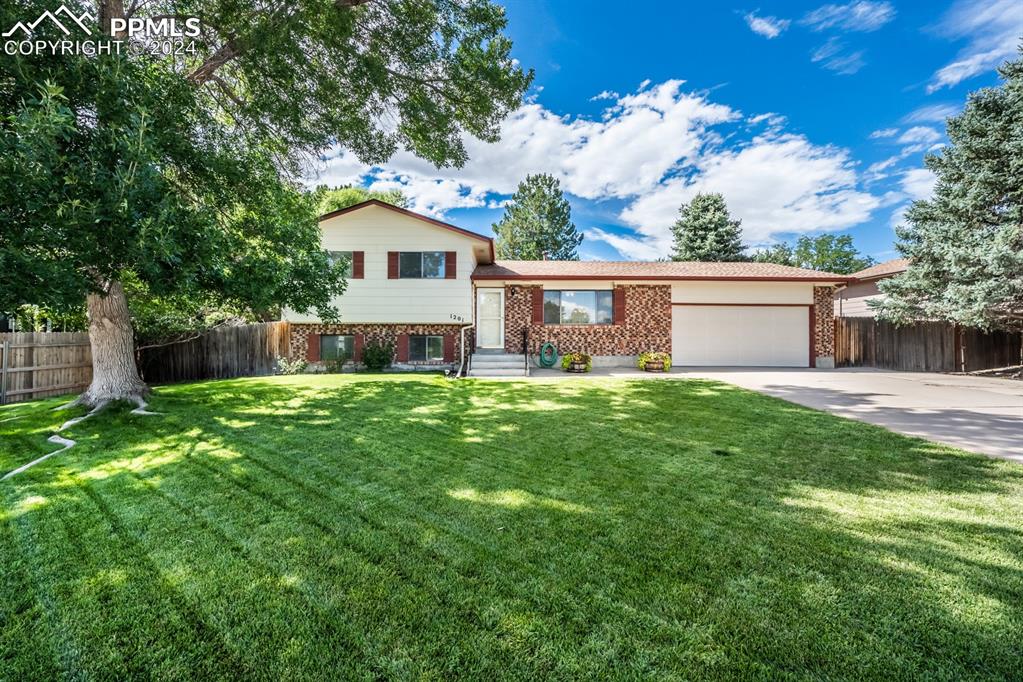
column 425, row 348
column 333, row 347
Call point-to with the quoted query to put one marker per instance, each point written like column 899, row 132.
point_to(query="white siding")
column 741, row 292
column 377, row 299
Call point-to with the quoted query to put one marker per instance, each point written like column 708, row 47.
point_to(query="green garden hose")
column 548, row 355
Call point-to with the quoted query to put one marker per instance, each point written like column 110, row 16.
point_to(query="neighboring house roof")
column 691, row 270
column 886, row 269
column 411, row 214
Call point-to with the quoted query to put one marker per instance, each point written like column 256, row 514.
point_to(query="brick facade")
column 824, row 322
column 647, row 325
column 378, row 333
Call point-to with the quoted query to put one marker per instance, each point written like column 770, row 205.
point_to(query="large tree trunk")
column 114, row 376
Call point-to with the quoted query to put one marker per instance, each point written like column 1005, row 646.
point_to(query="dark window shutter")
column 449, row 348
column 618, row 305
column 312, row 351
column 357, row 351
column 358, row 264
column 402, row 348
column 392, row 265
column 538, row 305
column 450, row 265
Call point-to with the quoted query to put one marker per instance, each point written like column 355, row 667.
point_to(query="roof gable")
column 886, row 269
column 405, row 212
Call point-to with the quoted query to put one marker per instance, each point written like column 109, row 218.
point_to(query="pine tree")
column 965, row 243
column 537, row 224
column 705, row 231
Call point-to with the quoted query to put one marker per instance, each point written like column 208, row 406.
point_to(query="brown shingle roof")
column 886, row 269
column 551, row 269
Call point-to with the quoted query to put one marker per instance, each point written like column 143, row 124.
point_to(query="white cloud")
column 639, row 138
column 854, row 16
column 993, row 27
column 932, row 113
column 876, row 168
column 918, row 183
column 769, row 27
column 832, row 56
column 774, row 184
column 651, row 150
column 884, row 133
column 633, row 247
column 605, row 94
column 919, row 135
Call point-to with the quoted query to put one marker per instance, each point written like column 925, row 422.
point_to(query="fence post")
column 3, row 373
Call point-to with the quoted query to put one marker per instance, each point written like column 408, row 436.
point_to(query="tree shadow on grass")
column 404, row 527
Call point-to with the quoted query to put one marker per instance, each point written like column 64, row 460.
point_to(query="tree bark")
column 114, row 375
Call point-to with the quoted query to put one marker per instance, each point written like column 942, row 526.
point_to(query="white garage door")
column 740, row 336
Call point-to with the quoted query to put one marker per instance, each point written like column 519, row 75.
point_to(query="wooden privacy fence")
column 923, row 346
column 223, row 353
column 41, row 364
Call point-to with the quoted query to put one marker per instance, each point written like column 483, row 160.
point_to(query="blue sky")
column 809, row 117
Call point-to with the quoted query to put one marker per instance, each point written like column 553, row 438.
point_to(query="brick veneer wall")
column 824, row 321
column 647, row 325
column 378, row 333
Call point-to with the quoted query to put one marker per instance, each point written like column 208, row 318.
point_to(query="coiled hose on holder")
column 548, row 355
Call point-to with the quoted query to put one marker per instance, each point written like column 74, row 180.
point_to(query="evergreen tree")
column 705, row 231
column 537, row 224
column 965, row 243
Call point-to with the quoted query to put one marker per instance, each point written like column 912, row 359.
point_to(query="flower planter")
column 652, row 366
column 577, row 367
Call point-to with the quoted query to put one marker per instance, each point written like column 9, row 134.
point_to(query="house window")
column 336, row 257
column 577, row 307
column 421, row 265
column 335, row 346
column 425, row 348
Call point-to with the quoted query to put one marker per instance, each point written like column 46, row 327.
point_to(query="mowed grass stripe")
column 404, row 527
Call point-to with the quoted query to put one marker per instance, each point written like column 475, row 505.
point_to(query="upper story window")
column 336, row 256
column 577, row 307
column 421, row 265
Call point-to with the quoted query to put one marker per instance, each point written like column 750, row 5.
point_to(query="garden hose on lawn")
column 548, row 355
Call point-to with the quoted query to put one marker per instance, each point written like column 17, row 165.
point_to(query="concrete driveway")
column 973, row 413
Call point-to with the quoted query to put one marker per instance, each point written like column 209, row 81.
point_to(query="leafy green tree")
column 334, row 199
column 706, row 231
column 537, row 224
column 826, row 252
column 181, row 172
column 965, row 243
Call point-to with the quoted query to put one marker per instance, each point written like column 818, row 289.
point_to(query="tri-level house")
column 435, row 293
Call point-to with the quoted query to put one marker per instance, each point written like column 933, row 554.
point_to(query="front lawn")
column 405, row 527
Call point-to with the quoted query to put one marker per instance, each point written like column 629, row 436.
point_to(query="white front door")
column 490, row 318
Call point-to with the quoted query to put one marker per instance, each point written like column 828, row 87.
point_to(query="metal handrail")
column 525, row 350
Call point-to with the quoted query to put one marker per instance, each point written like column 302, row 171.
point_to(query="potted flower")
column 652, row 361
column 576, row 362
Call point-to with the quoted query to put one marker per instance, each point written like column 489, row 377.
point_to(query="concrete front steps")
column 497, row 365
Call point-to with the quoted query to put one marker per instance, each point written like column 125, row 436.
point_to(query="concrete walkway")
column 973, row 413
